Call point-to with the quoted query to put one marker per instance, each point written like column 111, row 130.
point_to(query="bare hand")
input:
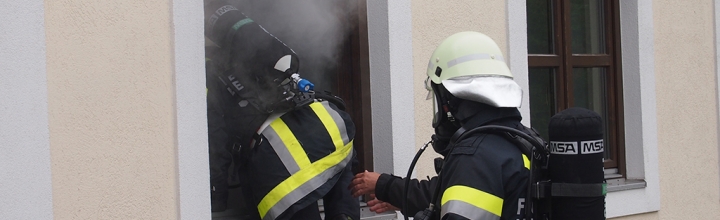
column 364, row 183
column 378, row 206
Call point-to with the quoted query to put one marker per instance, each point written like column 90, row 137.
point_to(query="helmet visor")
column 428, row 87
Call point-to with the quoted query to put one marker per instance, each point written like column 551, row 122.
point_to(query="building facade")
column 103, row 113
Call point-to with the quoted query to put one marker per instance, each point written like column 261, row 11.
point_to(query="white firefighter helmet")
column 471, row 66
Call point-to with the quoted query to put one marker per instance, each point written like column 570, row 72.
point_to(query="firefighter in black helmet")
column 292, row 146
column 484, row 175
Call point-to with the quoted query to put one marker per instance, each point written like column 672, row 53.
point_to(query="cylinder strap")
column 579, row 190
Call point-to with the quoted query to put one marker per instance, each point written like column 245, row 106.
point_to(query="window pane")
column 587, row 25
column 589, row 92
column 539, row 25
column 542, row 98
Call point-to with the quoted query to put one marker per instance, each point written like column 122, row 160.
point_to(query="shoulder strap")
column 510, row 133
column 335, row 100
column 525, row 146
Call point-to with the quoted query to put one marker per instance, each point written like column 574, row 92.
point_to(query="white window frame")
column 392, row 97
column 638, row 65
column 24, row 133
column 191, row 111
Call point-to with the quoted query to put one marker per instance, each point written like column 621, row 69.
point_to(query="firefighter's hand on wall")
column 379, row 206
column 364, row 183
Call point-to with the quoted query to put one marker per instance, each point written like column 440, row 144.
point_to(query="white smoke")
column 315, row 29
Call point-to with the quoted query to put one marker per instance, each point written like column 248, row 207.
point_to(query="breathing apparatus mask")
column 268, row 91
column 444, row 123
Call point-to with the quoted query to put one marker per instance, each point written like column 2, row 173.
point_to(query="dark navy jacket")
column 484, row 177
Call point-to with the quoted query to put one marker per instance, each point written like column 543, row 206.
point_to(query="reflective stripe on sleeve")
column 334, row 124
column 466, row 210
column 526, row 161
column 286, row 146
column 300, row 184
column 471, row 203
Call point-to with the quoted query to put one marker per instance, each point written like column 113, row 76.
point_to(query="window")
column 330, row 39
column 574, row 61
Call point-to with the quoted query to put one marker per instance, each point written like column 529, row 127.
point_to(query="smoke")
column 316, row 30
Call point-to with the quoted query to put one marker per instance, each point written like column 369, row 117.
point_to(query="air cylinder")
column 576, row 165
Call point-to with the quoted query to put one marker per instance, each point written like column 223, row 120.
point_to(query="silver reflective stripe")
column 338, row 121
column 471, row 57
column 466, row 210
column 281, row 150
column 305, row 189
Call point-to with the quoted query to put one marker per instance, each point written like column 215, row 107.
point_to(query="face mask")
column 444, row 128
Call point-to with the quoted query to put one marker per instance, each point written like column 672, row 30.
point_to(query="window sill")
column 620, row 184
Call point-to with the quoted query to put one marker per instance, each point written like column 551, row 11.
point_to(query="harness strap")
column 579, row 189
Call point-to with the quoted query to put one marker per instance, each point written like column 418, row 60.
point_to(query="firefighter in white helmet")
column 483, row 175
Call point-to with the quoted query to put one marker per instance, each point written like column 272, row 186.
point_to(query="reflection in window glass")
column 542, row 98
column 589, row 92
column 587, row 25
column 539, row 25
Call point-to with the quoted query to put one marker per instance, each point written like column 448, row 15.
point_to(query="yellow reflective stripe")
column 329, row 123
column 526, row 161
column 304, row 175
column 292, row 144
column 477, row 198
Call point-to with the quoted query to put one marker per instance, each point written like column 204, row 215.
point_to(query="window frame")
column 353, row 83
column 562, row 60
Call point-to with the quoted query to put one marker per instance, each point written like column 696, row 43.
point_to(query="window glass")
column 542, row 98
column 539, row 25
column 589, row 92
column 587, row 26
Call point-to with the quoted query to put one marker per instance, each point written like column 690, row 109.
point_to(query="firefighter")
column 483, row 176
column 290, row 146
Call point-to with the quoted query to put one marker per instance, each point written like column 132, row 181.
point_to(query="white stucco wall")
column 111, row 107
column 687, row 112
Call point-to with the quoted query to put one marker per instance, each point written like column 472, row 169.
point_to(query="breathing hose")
column 407, row 177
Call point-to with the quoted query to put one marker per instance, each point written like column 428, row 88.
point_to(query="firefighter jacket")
column 484, row 177
column 298, row 157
